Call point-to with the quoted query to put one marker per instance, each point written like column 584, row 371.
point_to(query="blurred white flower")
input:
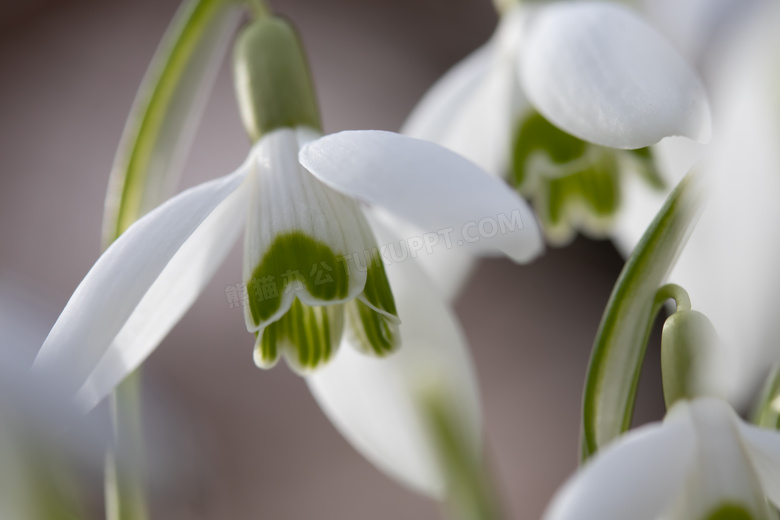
column 308, row 253
column 602, row 76
column 702, row 463
column 730, row 263
column 377, row 403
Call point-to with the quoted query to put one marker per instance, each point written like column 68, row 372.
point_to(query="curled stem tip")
column 672, row 291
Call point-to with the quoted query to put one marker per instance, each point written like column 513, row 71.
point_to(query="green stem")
column 470, row 493
column 672, row 291
column 125, row 482
column 259, row 8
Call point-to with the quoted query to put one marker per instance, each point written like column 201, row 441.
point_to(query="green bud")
column 273, row 83
column 687, row 342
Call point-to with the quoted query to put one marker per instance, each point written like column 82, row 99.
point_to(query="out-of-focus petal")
column 722, row 476
column 763, row 448
column 636, row 477
column 375, row 402
column 729, row 266
column 601, row 73
column 114, row 302
column 428, row 186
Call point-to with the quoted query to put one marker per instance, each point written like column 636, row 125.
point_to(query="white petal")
column 286, row 198
column 434, row 113
column 604, row 75
column 428, row 186
column 636, row 477
column 722, row 475
column 472, row 110
column 106, row 301
column 375, row 402
column 763, row 448
column 447, row 268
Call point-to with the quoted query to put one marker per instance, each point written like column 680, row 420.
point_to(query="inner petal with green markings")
column 309, row 256
column 574, row 185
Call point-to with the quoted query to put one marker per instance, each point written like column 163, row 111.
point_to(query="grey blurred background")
column 253, row 443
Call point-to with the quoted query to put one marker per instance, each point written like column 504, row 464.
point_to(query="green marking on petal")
column 373, row 332
column 308, row 336
column 294, row 262
column 377, row 290
column 536, row 134
column 730, row 512
column 570, row 182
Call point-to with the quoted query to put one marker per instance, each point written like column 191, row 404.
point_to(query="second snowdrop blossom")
column 562, row 101
column 305, row 231
column 702, row 463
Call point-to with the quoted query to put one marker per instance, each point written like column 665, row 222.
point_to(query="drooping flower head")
column 562, row 102
column 312, row 268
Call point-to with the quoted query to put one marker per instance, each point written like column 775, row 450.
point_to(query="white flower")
column 730, row 263
column 309, row 255
column 376, row 403
column 702, row 463
column 549, row 100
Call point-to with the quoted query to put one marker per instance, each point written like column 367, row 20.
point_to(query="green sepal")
column 295, row 261
column 766, row 413
column 619, row 347
column 272, row 78
column 688, row 338
column 570, row 182
column 168, row 104
column 308, row 336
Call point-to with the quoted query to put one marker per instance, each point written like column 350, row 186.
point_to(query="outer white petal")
column 374, row 402
column 428, row 186
column 722, row 472
column 763, row 448
column 287, row 198
column 126, row 291
column 448, row 268
column 473, row 109
column 439, row 107
column 636, row 477
column 602, row 74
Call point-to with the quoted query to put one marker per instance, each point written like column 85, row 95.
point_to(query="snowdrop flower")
column 560, row 101
column 702, row 463
column 376, row 403
column 729, row 264
column 311, row 262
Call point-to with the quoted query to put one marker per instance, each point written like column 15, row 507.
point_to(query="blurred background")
column 250, row 443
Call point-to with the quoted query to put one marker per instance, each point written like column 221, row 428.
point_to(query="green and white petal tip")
column 599, row 72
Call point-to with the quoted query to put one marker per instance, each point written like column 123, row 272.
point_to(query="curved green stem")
column 672, row 291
